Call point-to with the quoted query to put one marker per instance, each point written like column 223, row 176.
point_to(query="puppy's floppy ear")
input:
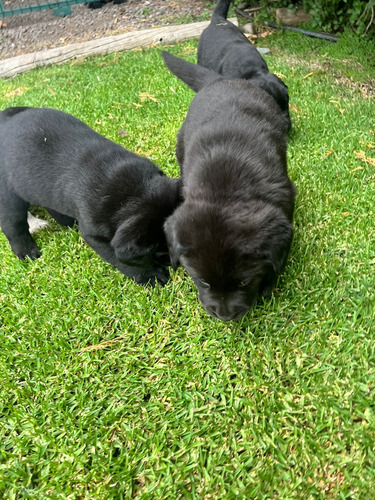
column 274, row 260
column 279, row 250
column 126, row 244
column 195, row 76
column 269, row 280
column 174, row 246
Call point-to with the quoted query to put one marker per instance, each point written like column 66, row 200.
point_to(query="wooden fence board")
column 116, row 43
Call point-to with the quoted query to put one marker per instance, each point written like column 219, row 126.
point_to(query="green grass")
column 111, row 390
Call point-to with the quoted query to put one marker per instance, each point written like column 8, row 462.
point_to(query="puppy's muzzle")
column 220, row 310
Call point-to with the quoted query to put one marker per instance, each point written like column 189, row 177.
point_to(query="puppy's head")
column 233, row 255
column 139, row 240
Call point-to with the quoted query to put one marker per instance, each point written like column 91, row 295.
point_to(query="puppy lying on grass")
column 225, row 49
column 120, row 200
column 233, row 231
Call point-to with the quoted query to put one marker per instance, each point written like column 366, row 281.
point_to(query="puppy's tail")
column 195, row 76
column 221, row 9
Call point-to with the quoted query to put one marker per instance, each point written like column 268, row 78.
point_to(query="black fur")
column 233, row 231
column 225, row 49
column 100, row 3
column 120, row 200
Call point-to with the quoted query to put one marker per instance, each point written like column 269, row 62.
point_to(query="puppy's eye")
column 203, row 283
column 242, row 284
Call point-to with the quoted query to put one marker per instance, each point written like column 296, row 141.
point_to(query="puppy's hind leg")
column 13, row 222
column 62, row 219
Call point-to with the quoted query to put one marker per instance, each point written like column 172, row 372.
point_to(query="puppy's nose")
column 211, row 310
column 220, row 311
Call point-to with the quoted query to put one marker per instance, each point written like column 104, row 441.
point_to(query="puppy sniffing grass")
column 120, row 200
column 225, row 49
column 233, row 231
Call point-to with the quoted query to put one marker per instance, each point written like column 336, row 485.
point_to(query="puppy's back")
column 235, row 108
column 222, row 46
column 235, row 135
column 48, row 153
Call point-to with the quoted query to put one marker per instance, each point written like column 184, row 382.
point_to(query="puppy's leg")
column 13, row 221
column 62, row 219
column 149, row 276
column 138, row 274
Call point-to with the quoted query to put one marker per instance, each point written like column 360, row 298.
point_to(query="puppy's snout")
column 212, row 310
column 225, row 313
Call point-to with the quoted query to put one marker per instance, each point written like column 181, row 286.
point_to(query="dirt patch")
column 25, row 33
column 366, row 88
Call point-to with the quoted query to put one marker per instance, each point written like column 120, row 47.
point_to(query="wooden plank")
column 116, row 43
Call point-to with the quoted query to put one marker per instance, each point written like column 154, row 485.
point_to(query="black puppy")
column 233, row 231
column 225, row 49
column 120, row 200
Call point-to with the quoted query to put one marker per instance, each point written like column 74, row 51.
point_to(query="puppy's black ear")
column 174, row 246
column 280, row 249
column 127, row 247
column 268, row 281
column 195, row 76
column 276, row 260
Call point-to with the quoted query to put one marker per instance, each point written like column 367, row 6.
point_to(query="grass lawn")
column 111, row 390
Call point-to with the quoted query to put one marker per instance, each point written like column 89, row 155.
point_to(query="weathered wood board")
column 116, row 43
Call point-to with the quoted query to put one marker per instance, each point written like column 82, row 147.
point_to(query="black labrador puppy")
column 120, row 200
column 233, row 231
column 225, row 49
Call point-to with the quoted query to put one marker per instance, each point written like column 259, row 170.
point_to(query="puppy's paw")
column 32, row 253
column 151, row 276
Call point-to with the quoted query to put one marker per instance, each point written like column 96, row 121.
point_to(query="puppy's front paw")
column 150, row 276
column 32, row 253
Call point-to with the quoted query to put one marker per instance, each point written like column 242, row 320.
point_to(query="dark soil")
column 25, row 33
